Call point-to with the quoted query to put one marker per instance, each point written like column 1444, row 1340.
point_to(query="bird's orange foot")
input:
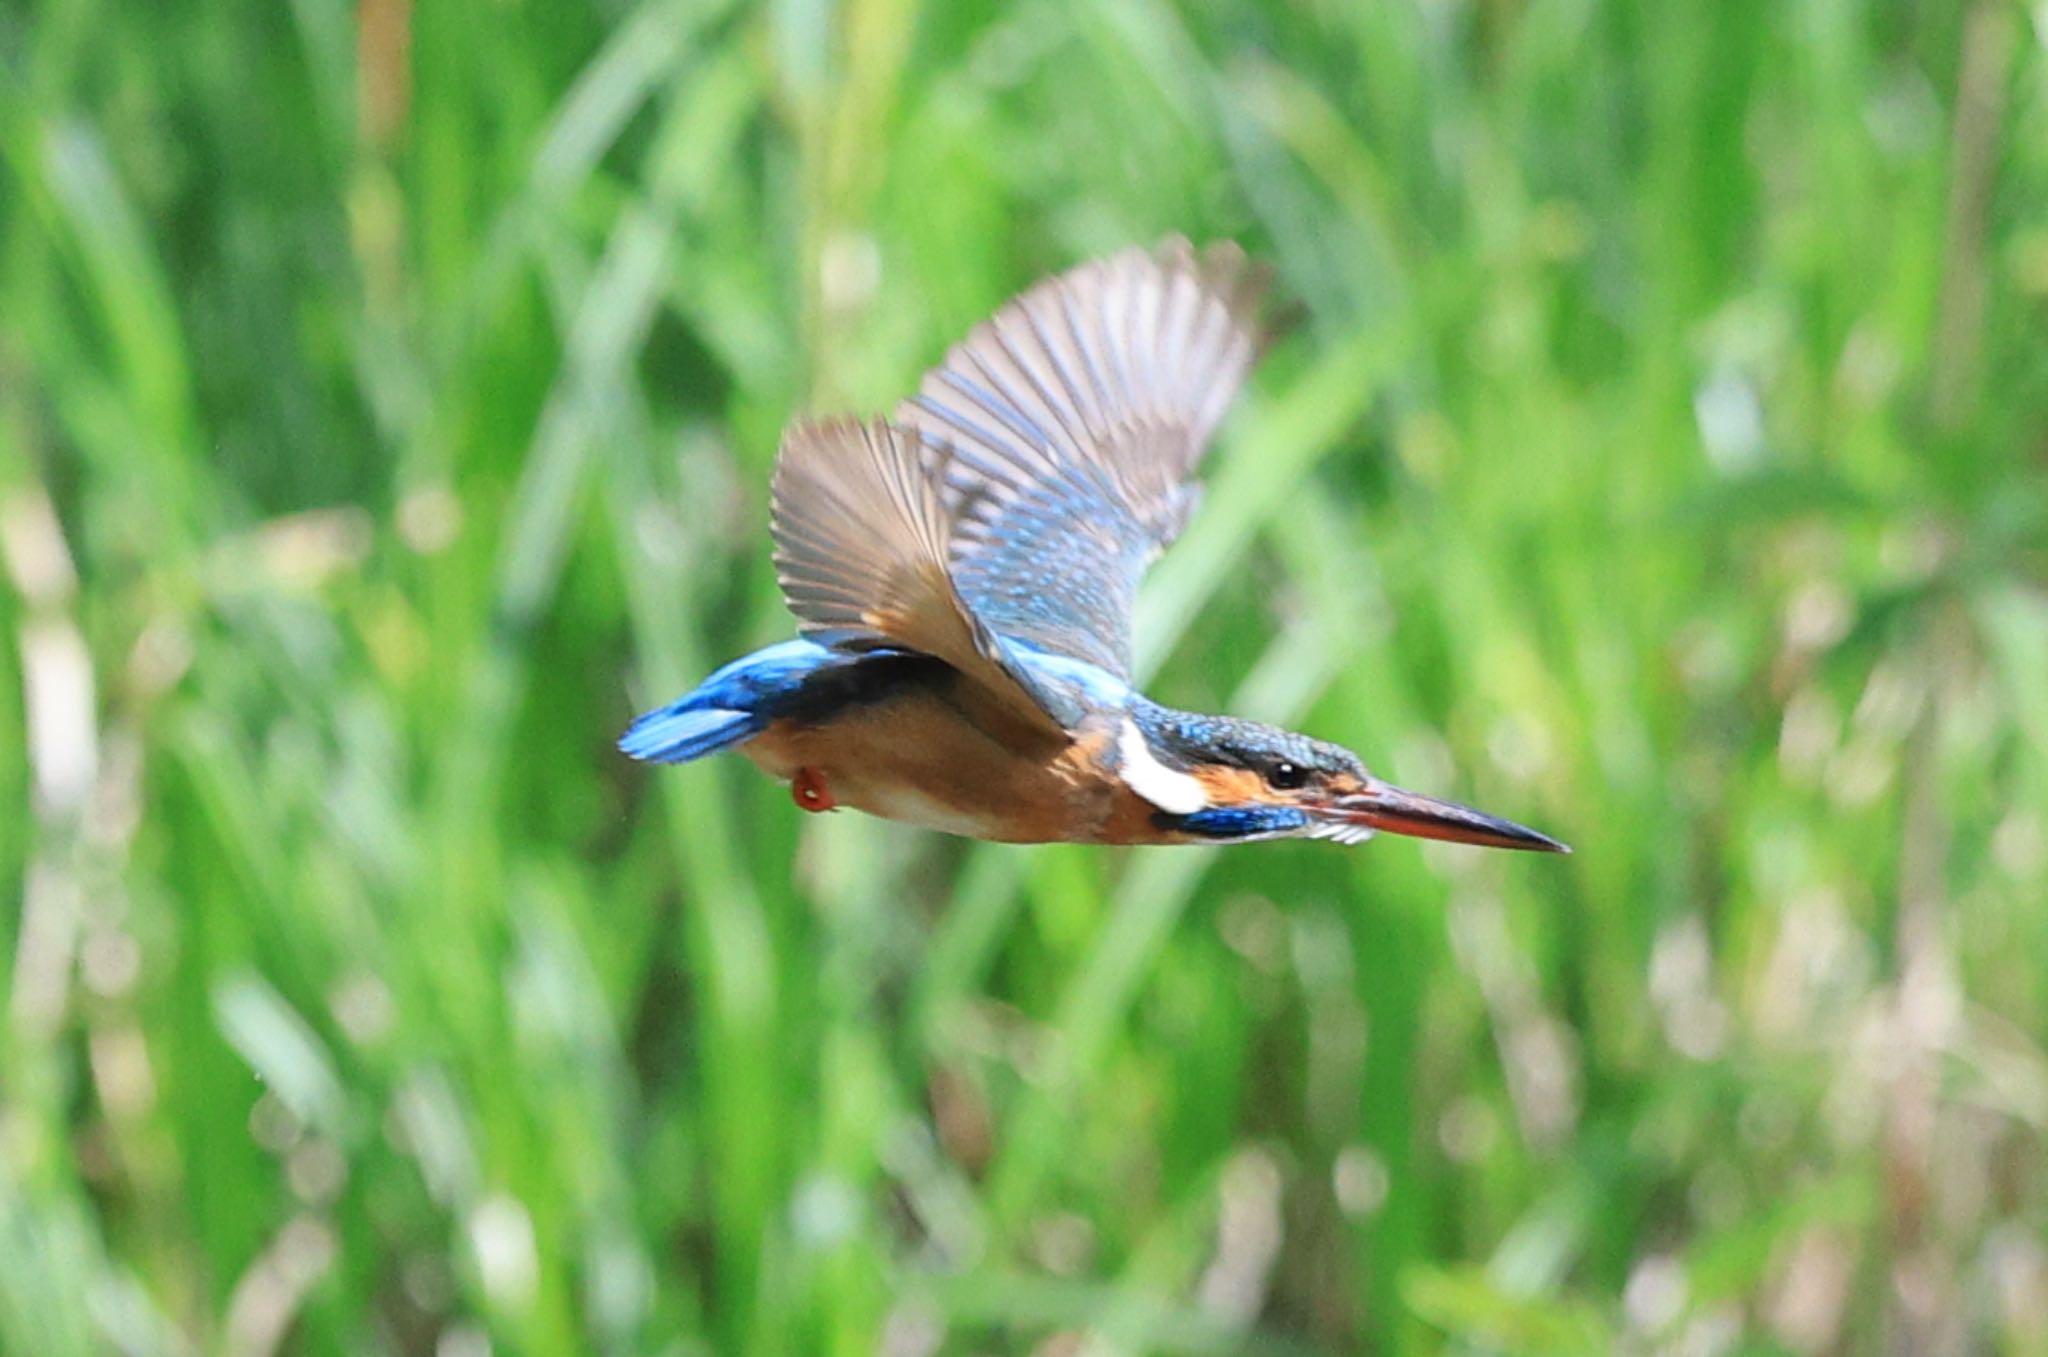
column 809, row 791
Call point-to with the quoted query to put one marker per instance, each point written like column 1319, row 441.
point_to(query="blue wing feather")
column 1065, row 433
column 862, row 543
column 1063, row 575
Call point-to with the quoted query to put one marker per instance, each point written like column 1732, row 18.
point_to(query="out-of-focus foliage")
column 387, row 399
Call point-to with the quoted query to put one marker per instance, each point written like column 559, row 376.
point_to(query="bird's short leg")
column 809, row 791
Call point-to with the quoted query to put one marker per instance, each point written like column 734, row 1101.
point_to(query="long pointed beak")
column 1396, row 811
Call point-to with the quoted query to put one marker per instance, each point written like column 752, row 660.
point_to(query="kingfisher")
column 963, row 574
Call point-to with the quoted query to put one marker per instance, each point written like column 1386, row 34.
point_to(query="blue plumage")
column 1238, row 823
column 1102, row 690
column 1061, row 574
column 735, row 704
column 676, row 734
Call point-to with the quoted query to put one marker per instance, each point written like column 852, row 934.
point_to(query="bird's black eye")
column 1285, row 777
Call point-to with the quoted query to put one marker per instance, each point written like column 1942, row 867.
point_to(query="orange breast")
column 925, row 761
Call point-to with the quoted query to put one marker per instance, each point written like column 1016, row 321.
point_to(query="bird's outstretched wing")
column 1064, row 432
column 861, row 541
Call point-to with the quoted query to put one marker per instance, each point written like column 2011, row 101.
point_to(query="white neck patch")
column 1175, row 793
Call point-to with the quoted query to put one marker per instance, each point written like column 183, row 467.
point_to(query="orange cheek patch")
column 1233, row 786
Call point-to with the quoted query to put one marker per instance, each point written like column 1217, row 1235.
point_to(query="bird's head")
column 1224, row 780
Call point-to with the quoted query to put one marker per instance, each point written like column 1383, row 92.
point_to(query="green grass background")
column 1659, row 456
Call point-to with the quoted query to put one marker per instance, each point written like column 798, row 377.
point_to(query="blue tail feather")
column 677, row 734
column 732, row 706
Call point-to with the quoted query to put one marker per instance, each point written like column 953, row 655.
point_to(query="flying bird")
column 963, row 575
